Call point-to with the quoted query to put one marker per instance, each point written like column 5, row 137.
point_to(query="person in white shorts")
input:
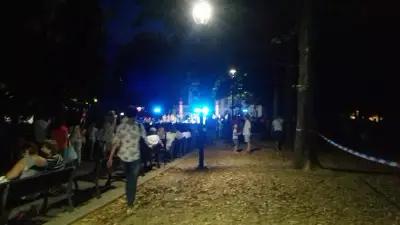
column 247, row 133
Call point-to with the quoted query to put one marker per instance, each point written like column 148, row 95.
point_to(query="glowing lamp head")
column 202, row 12
column 232, row 72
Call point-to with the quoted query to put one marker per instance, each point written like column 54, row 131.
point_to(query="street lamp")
column 232, row 72
column 202, row 12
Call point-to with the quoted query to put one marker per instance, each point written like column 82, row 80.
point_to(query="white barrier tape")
column 361, row 155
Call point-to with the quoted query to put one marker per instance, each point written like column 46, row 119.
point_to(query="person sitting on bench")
column 32, row 163
column 154, row 142
column 153, row 139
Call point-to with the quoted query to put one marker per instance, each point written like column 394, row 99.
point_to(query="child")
column 235, row 138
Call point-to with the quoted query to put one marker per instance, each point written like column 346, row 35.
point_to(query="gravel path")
column 259, row 188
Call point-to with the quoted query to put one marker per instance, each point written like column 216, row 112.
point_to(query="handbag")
column 69, row 154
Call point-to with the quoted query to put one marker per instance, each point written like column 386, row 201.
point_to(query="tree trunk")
column 302, row 147
column 276, row 98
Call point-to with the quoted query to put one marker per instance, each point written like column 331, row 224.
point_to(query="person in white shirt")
column 186, row 134
column 235, row 137
column 277, row 131
column 247, row 133
column 170, row 139
column 153, row 139
column 155, row 144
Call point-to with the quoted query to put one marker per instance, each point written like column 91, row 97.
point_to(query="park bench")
column 11, row 193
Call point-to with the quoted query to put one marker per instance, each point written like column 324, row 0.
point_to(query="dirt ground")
column 257, row 188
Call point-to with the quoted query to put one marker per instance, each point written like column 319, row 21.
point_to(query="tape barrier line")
column 361, row 155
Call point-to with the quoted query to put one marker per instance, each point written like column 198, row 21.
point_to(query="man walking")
column 127, row 139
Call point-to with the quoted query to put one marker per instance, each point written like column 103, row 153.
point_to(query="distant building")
column 224, row 106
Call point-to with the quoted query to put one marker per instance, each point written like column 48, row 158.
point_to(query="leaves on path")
column 252, row 189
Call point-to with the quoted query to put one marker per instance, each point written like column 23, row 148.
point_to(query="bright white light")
column 95, row 100
column 30, row 120
column 181, row 109
column 232, row 72
column 157, row 110
column 202, row 12
column 122, row 114
column 139, row 109
column 217, row 108
column 205, row 110
column 245, row 110
column 197, row 110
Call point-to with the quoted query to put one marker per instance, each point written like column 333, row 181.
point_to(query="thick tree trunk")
column 289, row 104
column 276, row 98
column 304, row 157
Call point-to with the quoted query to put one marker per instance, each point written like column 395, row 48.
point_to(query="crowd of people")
column 136, row 145
column 55, row 145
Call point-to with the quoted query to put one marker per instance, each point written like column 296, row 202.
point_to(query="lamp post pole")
column 202, row 12
column 232, row 73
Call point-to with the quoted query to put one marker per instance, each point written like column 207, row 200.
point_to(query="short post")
column 201, row 143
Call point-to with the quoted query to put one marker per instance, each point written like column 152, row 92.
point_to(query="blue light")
column 157, row 110
column 205, row 110
column 197, row 110
column 245, row 110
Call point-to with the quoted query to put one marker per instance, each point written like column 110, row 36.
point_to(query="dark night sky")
column 173, row 47
column 153, row 46
column 355, row 48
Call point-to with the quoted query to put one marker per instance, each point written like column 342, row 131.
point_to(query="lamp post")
column 232, row 73
column 202, row 12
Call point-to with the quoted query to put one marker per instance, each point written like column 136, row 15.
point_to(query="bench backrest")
column 38, row 183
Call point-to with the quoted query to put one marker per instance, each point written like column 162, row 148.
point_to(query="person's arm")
column 160, row 142
column 40, row 161
column 115, row 145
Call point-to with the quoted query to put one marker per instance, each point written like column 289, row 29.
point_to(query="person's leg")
column 129, row 183
column 276, row 140
column 132, row 171
column 17, row 169
column 91, row 148
column 235, row 145
column 280, row 140
column 79, row 152
column 247, row 139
